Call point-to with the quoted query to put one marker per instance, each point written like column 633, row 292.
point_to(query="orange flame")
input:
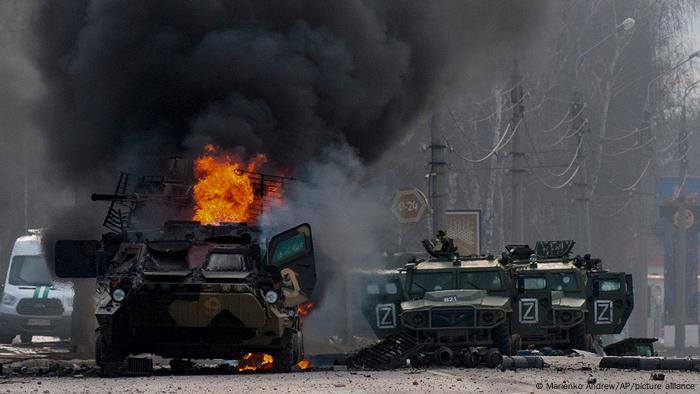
column 303, row 364
column 224, row 191
column 303, row 311
column 256, row 362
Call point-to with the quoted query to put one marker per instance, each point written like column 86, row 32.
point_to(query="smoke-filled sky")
column 129, row 80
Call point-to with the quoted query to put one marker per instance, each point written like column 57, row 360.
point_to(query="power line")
column 634, row 132
column 634, row 147
column 467, row 170
column 500, row 109
column 619, row 210
column 534, row 148
column 564, row 120
column 635, row 183
column 573, row 133
column 675, row 142
column 499, row 145
column 573, row 159
column 461, row 129
column 560, row 186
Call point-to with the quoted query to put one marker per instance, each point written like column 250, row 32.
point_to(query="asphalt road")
column 565, row 375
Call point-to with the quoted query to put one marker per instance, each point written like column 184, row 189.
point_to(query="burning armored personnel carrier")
column 192, row 291
column 564, row 301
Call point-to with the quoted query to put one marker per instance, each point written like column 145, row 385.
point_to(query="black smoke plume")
column 134, row 80
column 129, row 83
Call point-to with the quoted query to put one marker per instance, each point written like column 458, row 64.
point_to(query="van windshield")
column 29, row 271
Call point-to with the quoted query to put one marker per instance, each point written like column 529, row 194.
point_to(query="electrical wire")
column 620, row 138
column 672, row 159
column 459, row 126
column 634, row 147
column 534, row 148
column 617, row 211
column 635, row 183
column 567, row 136
column 674, row 142
column 469, row 170
column 501, row 109
column 573, row 159
column 490, row 97
column 560, row 186
column 499, row 145
column 535, row 107
column 564, row 120
column 682, row 186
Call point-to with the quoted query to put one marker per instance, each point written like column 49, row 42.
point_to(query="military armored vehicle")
column 192, row 291
column 442, row 307
column 563, row 301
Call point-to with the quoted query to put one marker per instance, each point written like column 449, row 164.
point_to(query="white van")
column 32, row 302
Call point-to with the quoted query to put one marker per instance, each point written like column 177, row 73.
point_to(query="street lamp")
column 668, row 71
column 625, row 25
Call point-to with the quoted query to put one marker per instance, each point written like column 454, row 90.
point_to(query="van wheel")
column 6, row 338
column 25, row 338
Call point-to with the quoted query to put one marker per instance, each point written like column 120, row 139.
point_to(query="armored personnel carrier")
column 192, row 291
column 441, row 307
column 564, row 301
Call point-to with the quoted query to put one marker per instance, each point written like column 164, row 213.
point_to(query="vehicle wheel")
column 501, row 338
column 285, row 358
column 25, row 338
column 579, row 339
column 515, row 344
column 7, row 338
column 98, row 350
column 107, row 357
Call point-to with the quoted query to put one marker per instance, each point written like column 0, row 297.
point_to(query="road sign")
column 409, row 205
column 687, row 220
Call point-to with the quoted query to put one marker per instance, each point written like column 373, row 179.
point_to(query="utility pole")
column 581, row 199
column 680, row 255
column 517, row 157
column 438, row 191
column 644, row 202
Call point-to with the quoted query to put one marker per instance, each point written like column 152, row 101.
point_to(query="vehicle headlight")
column 8, row 299
column 487, row 316
column 566, row 316
column 271, row 297
column 417, row 319
column 118, row 295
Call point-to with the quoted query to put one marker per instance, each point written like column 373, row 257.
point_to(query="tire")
column 290, row 354
column 25, row 338
column 501, row 338
column 579, row 339
column 515, row 344
column 98, row 350
column 107, row 357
